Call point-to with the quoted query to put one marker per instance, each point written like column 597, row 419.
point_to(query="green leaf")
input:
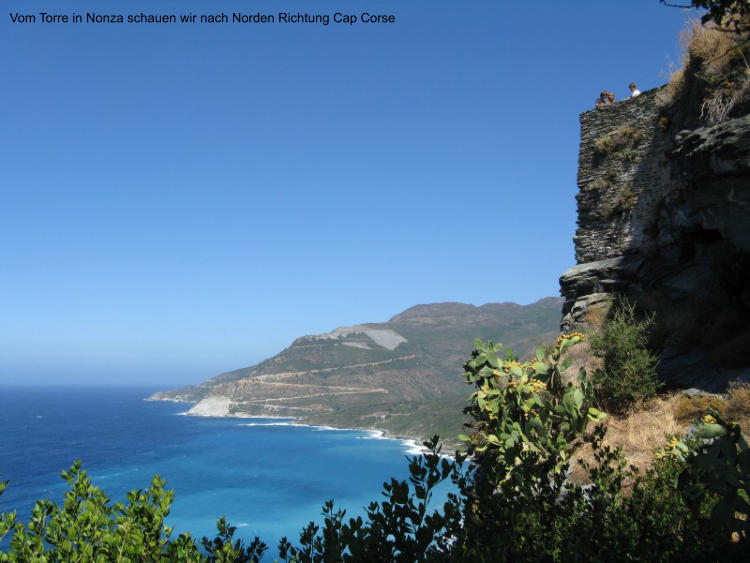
column 486, row 371
column 492, row 357
column 463, row 437
column 570, row 403
column 540, row 353
column 710, row 431
column 578, row 398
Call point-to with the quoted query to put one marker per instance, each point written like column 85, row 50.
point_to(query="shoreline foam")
column 219, row 407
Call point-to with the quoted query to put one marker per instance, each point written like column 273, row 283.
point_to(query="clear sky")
column 181, row 200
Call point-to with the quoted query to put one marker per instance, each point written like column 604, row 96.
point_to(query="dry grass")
column 690, row 407
column 714, row 48
column 625, row 135
column 622, row 204
column 603, row 145
column 734, row 406
column 716, row 107
column 580, row 357
column 643, row 430
column 719, row 58
column 617, row 139
column 673, row 88
column 626, row 199
column 638, row 433
column 596, row 184
column 738, row 405
column 596, row 314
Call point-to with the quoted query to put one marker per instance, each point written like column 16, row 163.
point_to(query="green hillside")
column 395, row 375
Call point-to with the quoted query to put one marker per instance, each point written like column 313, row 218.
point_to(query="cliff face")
column 664, row 219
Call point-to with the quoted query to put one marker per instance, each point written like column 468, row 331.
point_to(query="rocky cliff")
column 664, row 219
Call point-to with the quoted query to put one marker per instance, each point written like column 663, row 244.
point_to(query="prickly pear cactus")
column 524, row 408
column 722, row 462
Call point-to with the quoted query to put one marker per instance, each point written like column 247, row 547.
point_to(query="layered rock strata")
column 664, row 219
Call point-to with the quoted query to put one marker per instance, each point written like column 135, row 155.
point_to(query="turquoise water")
column 268, row 478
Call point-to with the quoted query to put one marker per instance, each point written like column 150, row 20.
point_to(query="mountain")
column 395, row 375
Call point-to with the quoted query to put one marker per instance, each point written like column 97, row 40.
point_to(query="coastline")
column 218, row 407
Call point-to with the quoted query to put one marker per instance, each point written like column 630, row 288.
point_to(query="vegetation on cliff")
column 714, row 73
column 663, row 209
column 513, row 502
column 704, row 113
column 398, row 376
column 515, row 498
column 627, row 376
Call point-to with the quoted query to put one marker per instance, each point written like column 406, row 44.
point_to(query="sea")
column 268, row 477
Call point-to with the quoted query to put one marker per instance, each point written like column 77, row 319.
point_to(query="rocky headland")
column 402, row 376
column 664, row 220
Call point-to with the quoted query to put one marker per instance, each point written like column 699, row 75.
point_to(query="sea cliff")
column 664, row 220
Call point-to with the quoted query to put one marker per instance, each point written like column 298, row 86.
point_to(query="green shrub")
column 524, row 409
column 611, row 174
column 626, row 199
column 596, row 184
column 631, row 155
column 617, row 140
column 628, row 375
column 88, row 527
column 514, row 502
column 721, row 461
column 603, row 145
column 623, row 203
column 520, row 505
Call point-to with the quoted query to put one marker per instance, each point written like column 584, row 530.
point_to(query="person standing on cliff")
column 602, row 100
column 634, row 91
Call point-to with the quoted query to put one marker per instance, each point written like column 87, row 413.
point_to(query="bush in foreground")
column 628, row 375
column 513, row 502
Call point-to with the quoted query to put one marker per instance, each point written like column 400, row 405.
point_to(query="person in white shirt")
column 634, row 91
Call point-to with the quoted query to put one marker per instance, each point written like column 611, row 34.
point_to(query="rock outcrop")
column 664, row 219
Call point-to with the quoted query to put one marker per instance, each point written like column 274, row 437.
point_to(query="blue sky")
column 179, row 201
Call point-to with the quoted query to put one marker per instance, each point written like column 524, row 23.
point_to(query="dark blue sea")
column 267, row 478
